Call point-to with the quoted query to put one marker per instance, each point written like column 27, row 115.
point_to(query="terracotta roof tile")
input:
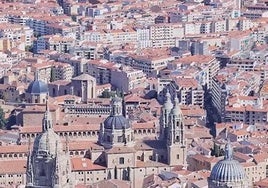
column 13, row 167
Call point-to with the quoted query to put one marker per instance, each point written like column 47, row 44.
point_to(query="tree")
column 29, row 48
column 3, row 121
column 107, row 94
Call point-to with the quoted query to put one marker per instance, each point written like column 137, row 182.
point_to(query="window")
column 178, row 156
column 121, row 160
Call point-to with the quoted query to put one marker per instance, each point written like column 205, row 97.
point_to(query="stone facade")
column 47, row 164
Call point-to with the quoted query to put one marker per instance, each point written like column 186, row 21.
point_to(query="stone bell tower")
column 176, row 144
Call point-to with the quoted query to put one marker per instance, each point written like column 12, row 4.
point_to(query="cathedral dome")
column 37, row 87
column 118, row 122
column 227, row 170
column 47, row 142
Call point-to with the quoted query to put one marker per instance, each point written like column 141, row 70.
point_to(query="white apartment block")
column 60, row 44
column 151, row 65
column 210, row 71
column 121, row 36
column 39, row 26
column 143, row 38
column 100, row 70
column 206, row 27
column 127, row 78
column 19, row 19
column 219, row 26
column 163, row 35
column 259, row 35
column 62, row 71
column 242, row 64
column 192, row 28
column 245, row 24
column 87, row 50
column 219, row 96
column 241, row 42
column 16, row 33
column 188, row 91
column 250, row 114
column 3, row 18
column 93, row 36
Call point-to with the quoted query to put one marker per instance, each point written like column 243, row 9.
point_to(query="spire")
column 176, row 109
column 123, row 103
column 168, row 104
column 228, row 151
column 36, row 75
column 116, row 106
column 176, row 100
column 47, row 143
column 47, row 120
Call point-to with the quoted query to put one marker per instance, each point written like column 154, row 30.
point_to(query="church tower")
column 176, row 145
column 48, row 166
column 164, row 119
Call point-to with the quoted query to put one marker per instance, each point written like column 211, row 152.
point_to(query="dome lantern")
column 228, row 172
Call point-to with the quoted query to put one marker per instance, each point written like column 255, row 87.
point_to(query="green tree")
column 107, row 94
column 3, row 121
column 29, row 48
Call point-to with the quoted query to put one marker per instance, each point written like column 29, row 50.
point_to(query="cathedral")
column 116, row 151
column 118, row 155
column 48, row 165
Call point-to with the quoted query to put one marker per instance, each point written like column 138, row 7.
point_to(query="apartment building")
column 59, row 43
column 21, row 19
column 246, row 109
column 219, row 95
column 231, row 91
column 243, row 64
column 100, row 70
column 149, row 63
column 127, row 78
column 42, row 69
column 219, row 26
column 143, row 38
column 163, row 35
column 192, row 28
column 241, row 40
column 188, row 91
column 259, row 35
column 16, row 33
column 245, row 24
column 88, row 50
column 208, row 67
column 120, row 36
column 61, row 71
column 162, row 85
column 71, row 29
